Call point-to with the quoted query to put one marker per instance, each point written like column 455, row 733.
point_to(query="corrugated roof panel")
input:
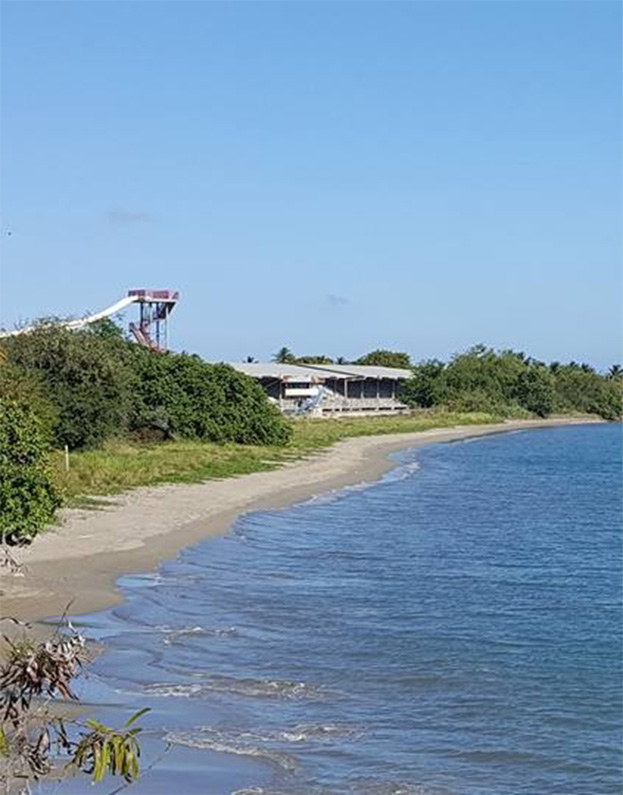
column 305, row 372
column 370, row 371
column 282, row 371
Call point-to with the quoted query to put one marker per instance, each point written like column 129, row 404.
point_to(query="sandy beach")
column 82, row 558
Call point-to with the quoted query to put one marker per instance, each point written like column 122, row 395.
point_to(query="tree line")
column 507, row 382
column 78, row 389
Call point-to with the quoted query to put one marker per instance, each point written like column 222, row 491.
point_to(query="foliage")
column 582, row 389
column 509, row 382
column 424, row 389
column 28, row 388
column 184, row 396
column 314, row 360
column 383, row 358
column 28, row 495
column 32, row 676
column 105, row 750
column 122, row 465
column 99, row 386
column 86, row 377
column 284, row 356
column 535, row 390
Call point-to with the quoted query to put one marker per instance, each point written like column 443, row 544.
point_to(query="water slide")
column 313, row 402
column 162, row 302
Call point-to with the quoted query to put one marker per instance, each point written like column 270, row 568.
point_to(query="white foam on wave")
column 228, row 743
column 374, row 786
column 254, row 688
column 177, row 691
column 172, row 635
column 401, row 472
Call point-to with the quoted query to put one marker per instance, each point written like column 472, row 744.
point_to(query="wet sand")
column 83, row 557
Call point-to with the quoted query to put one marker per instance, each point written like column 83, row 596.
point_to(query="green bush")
column 535, row 391
column 28, row 387
column 182, row 396
column 579, row 388
column 85, row 376
column 512, row 384
column 426, row 388
column 383, row 358
column 28, row 497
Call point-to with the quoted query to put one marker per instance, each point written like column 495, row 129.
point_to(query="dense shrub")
column 181, row 395
column 509, row 383
column 425, row 389
column 28, row 387
column 535, row 390
column 383, row 358
column 28, row 497
column 85, row 377
column 580, row 388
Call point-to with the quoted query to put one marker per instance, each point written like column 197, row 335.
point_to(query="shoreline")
column 82, row 559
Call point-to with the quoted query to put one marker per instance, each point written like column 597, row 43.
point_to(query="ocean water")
column 453, row 629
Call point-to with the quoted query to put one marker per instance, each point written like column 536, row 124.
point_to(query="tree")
column 180, row 395
column 615, row 372
column 86, row 376
column 34, row 677
column 425, row 389
column 384, row 358
column 28, row 497
column 314, row 360
column 535, row 391
column 284, row 356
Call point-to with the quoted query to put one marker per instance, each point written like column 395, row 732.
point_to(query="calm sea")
column 454, row 629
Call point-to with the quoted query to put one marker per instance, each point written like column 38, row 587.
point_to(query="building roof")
column 367, row 371
column 320, row 372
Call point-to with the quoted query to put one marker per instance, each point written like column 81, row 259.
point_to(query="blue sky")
column 331, row 176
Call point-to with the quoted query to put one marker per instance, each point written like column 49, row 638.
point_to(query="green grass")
column 120, row 466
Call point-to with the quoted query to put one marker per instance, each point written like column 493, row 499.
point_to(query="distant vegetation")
column 28, row 494
column 84, row 389
column 93, row 385
column 379, row 358
column 506, row 383
column 513, row 384
column 129, row 417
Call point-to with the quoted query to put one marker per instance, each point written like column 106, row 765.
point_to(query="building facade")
column 328, row 390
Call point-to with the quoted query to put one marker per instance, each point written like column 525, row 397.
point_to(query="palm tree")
column 341, row 360
column 284, row 356
column 615, row 372
column 250, row 359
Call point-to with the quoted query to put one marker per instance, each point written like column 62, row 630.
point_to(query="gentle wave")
column 229, row 743
column 254, row 688
column 452, row 630
column 172, row 636
column 395, row 475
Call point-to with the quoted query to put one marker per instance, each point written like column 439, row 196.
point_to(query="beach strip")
column 82, row 558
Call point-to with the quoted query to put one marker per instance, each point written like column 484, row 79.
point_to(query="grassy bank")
column 120, row 466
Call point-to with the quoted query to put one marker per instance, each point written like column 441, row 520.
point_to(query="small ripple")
column 253, row 688
column 172, row 636
column 230, row 743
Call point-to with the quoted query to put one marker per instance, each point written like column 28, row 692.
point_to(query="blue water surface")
column 454, row 629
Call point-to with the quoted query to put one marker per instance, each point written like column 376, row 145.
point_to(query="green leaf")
column 4, row 743
column 136, row 716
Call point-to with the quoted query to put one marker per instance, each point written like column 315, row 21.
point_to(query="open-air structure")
column 326, row 390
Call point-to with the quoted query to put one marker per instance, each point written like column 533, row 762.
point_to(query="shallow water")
column 454, row 629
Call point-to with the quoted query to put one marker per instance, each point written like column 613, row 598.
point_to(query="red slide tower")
column 155, row 307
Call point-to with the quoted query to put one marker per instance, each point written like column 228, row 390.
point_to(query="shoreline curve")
column 82, row 559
